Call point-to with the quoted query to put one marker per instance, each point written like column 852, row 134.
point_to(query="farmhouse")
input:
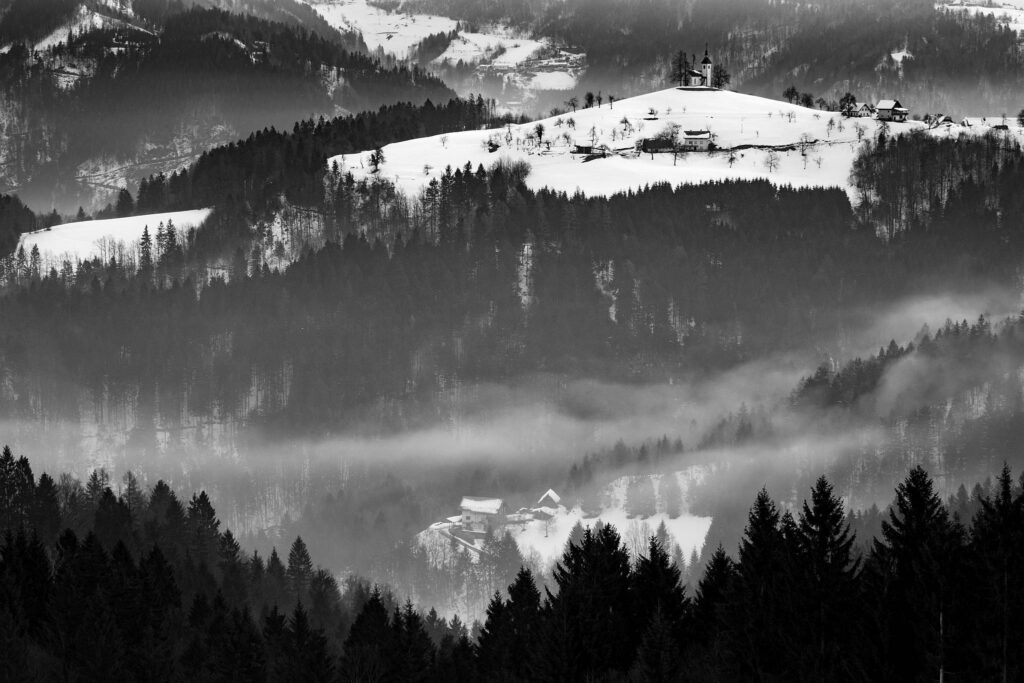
column 479, row 514
column 892, row 110
column 696, row 140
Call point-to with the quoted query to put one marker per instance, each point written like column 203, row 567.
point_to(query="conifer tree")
column 826, row 574
column 671, row 495
column 300, row 568
column 657, row 588
column 757, row 609
column 913, row 571
column 370, row 644
column 998, row 543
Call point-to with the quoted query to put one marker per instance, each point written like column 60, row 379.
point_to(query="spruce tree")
column 998, row 546
column 913, row 570
column 828, row 587
column 671, row 495
column 300, row 569
column 657, row 588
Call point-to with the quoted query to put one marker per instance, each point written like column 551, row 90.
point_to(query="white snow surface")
column 734, row 119
column 395, row 33
column 472, row 48
column 86, row 240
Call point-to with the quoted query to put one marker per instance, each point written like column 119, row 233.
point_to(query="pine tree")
column 125, row 204
column 671, row 495
column 493, row 649
column 300, row 569
column 640, row 501
column 998, row 544
column 912, row 571
column 757, row 609
column 658, row 657
column 414, row 652
column 370, row 644
column 657, row 588
column 45, row 516
column 145, row 252
column 586, row 630
column 827, row 575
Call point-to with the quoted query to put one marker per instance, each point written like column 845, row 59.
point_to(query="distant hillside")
column 945, row 61
column 112, row 95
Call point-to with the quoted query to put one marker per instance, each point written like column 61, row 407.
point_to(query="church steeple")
column 705, row 67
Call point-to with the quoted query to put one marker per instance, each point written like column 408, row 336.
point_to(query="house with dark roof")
column 891, row 110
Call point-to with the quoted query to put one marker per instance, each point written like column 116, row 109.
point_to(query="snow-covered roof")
column 889, row 104
column 985, row 120
column 550, row 495
column 455, row 519
column 483, row 506
column 697, row 134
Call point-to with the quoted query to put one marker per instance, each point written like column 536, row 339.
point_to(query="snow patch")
column 86, row 240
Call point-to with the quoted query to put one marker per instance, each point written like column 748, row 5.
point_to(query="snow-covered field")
column 495, row 50
column 783, row 143
column 473, row 48
column 90, row 239
column 1007, row 12
column 395, row 33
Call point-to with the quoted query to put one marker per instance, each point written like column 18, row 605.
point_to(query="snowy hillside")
column 90, row 239
column 755, row 138
column 528, row 63
column 392, row 32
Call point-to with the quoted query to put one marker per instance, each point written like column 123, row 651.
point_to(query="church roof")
column 706, row 60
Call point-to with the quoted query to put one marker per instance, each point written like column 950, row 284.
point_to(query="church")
column 702, row 78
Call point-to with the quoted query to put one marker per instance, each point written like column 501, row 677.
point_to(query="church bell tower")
column 705, row 67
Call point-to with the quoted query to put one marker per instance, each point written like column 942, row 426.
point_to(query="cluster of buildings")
column 885, row 110
column 482, row 515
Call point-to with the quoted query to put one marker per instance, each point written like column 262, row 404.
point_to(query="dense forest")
column 139, row 585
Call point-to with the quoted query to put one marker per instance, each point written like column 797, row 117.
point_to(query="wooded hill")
column 119, row 103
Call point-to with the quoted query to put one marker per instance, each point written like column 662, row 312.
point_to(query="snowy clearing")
column 783, row 143
column 90, row 239
column 394, row 33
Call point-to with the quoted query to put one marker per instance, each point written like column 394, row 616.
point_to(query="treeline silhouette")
column 141, row 586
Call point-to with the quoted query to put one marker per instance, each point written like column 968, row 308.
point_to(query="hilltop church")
column 702, row 78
